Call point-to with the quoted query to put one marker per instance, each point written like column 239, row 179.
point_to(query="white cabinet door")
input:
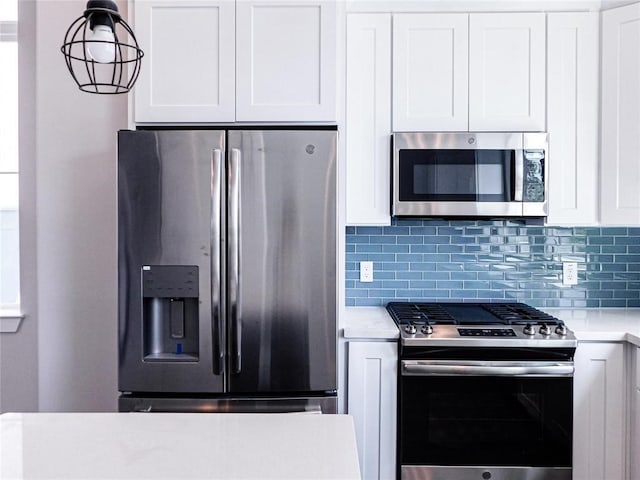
column 188, row 71
column 634, row 424
column 430, row 72
column 507, row 71
column 286, row 60
column 620, row 170
column 572, row 117
column 372, row 380
column 599, row 412
column 368, row 119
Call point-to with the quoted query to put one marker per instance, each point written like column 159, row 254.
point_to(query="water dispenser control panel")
column 170, row 310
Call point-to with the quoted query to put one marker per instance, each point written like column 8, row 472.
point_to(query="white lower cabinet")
column 634, row 424
column 599, row 412
column 372, row 380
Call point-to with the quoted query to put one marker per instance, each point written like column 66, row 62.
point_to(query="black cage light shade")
column 101, row 51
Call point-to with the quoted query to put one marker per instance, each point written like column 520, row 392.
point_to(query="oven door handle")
column 486, row 368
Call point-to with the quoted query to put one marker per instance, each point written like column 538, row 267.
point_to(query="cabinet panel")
column 620, row 173
column 372, row 380
column 599, row 412
column 430, row 72
column 634, row 423
column 634, row 437
column 572, row 117
column 507, row 72
column 189, row 66
column 368, row 119
column 286, row 61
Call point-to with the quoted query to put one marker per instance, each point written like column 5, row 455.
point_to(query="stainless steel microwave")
column 469, row 174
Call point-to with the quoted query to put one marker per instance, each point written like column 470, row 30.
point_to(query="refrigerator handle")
column 233, row 235
column 216, row 309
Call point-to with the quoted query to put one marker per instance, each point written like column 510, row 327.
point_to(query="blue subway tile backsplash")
column 493, row 260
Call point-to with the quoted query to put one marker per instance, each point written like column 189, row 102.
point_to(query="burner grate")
column 405, row 313
column 453, row 313
column 520, row 314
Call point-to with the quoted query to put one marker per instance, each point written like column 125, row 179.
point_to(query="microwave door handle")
column 233, row 230
column 217, row 330
column 519, row 176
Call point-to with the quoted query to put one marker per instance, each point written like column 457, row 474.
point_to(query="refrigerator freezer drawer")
column 326, row 404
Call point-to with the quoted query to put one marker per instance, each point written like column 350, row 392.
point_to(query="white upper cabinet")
column 620, row 162
column 226, row 61
column 368, row 118
column 572, row 117
column 188, row 71
column 430, row 72
column 507, row 72
column 469, row 72
column 286, row 57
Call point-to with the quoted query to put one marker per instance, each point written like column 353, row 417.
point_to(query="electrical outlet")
column 366, row 271
column 569, row 273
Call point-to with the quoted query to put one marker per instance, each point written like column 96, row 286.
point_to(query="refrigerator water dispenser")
column 170, row 313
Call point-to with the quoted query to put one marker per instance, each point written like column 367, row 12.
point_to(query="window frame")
column 10, row 315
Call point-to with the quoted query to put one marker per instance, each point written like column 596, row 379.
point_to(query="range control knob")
column 427, row 329
column 529, row 330
column 410, row 329
column 561, row 329
column 545, row 329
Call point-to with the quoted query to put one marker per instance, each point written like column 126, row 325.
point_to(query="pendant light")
column 101, row 51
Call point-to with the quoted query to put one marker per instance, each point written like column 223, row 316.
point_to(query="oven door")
column 485, row 420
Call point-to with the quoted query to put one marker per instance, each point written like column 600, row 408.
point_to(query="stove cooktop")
column 469, row 313
column 491, row 324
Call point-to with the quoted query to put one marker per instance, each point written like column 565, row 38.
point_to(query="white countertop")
column 177, row 446
column 369, row 322
column 601, row 324
column 589, row 324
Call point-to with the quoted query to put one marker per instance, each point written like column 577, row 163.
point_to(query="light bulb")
column 100, row 45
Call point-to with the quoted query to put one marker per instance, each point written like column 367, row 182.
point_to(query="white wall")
column 68, row 337
column 76, row 226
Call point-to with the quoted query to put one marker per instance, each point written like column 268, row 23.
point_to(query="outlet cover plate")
column 569, row 273
column 366, row 272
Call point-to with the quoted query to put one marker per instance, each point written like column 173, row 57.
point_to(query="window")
column 9, row 239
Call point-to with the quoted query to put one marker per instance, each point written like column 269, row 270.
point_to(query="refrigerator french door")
column 227, row 270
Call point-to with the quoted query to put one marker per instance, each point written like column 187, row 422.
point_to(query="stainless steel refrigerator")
column 227, row 270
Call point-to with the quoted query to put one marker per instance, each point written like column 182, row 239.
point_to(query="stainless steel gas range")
column 485, row 392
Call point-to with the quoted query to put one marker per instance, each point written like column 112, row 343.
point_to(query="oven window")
column 486, row 421
column 455, row 175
